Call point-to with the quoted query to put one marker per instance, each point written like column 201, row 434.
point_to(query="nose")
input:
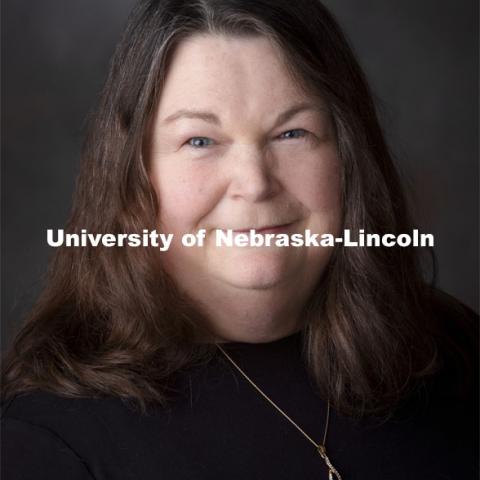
column 252, row 174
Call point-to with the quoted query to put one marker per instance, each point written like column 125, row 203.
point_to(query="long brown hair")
column 111, row 322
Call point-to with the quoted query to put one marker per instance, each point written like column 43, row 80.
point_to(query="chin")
column 257, row 270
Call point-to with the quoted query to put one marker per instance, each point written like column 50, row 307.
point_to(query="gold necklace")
column 320, row 447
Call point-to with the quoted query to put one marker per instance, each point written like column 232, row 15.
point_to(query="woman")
column 210, row 362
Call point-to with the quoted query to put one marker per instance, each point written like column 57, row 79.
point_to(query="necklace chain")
column 320, row 447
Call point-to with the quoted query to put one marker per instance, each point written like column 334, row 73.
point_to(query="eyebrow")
column 212, row 118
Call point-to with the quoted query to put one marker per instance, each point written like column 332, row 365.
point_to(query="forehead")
column 247, row 74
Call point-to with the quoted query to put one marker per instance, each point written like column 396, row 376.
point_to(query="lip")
column 267, row 229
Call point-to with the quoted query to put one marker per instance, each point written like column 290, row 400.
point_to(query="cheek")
column 185, row 195
column 316, row 182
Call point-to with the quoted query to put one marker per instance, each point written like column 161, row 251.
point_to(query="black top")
column 221, row 428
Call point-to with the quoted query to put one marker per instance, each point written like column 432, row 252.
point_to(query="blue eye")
column 297, row 133
column 199, row 142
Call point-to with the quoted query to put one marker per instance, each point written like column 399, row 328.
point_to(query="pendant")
column 331, row 469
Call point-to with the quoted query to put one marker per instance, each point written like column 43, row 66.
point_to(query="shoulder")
column 47, row 408
column 49, row 436
column 456, row 328
column 33, row 444
column 33, row 451
column 451, row 379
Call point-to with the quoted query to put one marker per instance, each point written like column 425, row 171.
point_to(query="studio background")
column 421, row 58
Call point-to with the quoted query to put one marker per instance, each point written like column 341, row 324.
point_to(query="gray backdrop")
column 422, row 60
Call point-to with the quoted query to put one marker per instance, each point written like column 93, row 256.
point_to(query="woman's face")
column 236, row 144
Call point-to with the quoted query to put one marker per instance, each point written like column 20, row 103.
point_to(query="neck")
column 250, row 315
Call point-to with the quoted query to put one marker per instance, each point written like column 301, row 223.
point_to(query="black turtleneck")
column 221, row 428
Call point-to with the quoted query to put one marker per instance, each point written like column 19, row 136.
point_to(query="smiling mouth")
column 267, row 229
